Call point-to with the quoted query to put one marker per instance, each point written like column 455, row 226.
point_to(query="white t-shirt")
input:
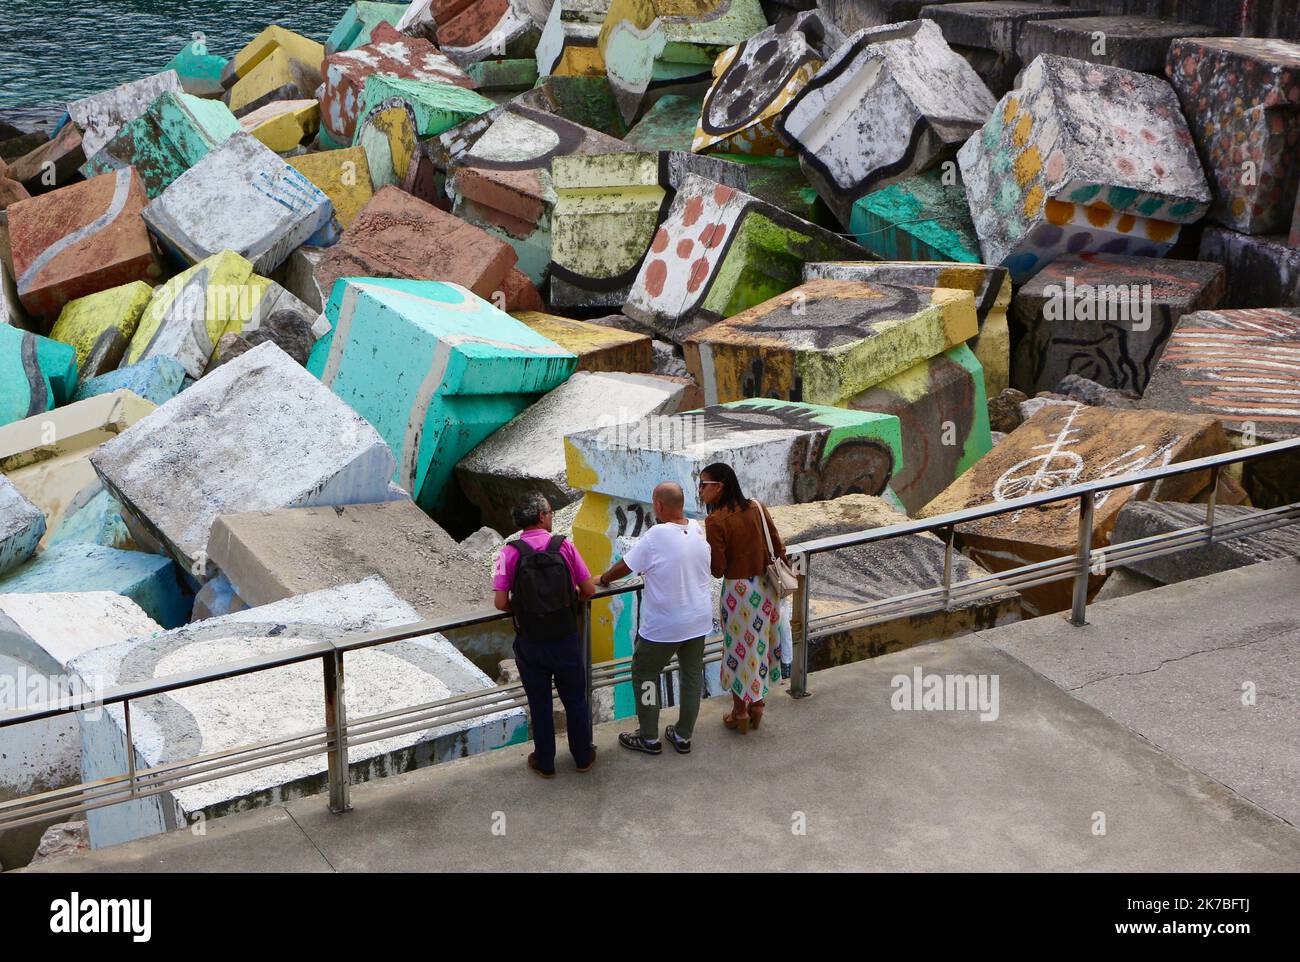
column 677, row 603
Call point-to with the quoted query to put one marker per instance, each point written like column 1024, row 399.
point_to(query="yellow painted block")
column 390, row 139
column 599, row 348
column 99, row 326
column 343, row 176
column 277, row 70
column 578, row 61
column 47, row 456
column 275, row 38
column 283, row 124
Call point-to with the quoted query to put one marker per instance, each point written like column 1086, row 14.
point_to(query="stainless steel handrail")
column 337, row 733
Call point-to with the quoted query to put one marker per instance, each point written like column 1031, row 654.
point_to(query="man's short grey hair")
column 529, row 510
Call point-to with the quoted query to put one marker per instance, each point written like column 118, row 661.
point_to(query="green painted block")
column 434, row 369
column 37, row 374
column 781, row 182
column 174, row 134
column 503, row 76
column 437, row 107
column 668, row 125
column 353, row 28
column 199, row 71
column 917, row 219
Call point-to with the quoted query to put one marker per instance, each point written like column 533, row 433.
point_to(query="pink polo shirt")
column 503, row 575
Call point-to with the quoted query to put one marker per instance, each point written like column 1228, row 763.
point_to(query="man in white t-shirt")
column 676, row 615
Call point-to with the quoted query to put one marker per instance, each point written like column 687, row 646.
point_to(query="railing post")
column 336, row 723
column 130, row 746
column 1083, row 554
column 1209, row 504
column 799, row 628
column 947, row 566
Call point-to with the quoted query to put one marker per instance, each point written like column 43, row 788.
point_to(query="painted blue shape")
column 157, row 379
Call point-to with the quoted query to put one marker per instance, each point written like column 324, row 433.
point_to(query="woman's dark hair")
column 732, row 496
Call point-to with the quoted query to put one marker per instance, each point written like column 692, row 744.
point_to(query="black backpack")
column 542, row 595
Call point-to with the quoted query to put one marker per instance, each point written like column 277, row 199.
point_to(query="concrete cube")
column 100, row 116
column 283, row 125
column 277, row 64
column 240, row 197
column 925, row 217
column 157, row 379
column 357, row 22
column 22, row 525
column 99, row 326
column 1262, row 271
column 259, row 432
column 36, row 374
column 598, row 348
column 569, row 42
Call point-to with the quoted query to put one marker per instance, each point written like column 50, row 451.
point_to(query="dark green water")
column 53, row 51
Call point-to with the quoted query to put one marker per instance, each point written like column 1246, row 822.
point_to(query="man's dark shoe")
column 636, row 743
column 683, row 745
column 532, row 763
column 583, row 769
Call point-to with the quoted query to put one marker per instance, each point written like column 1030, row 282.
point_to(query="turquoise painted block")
column 36, row 374
column 437, row 107
column 917, row 219
column 353, row 28
column 157, row 379
column 434, row 369
column 150, row 580
column 98, row 521
column 200, row 71
column 174, row 134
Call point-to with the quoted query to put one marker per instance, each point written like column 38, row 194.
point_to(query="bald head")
column 669, row 499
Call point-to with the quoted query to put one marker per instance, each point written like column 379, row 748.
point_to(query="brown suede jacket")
column 737, row 543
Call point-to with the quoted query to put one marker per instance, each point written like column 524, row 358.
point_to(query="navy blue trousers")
column 539, row 663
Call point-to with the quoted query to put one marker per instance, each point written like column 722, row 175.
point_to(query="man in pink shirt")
column 539, row 578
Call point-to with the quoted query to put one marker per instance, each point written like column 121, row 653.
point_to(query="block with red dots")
column 720, row 251
column 1241, row 96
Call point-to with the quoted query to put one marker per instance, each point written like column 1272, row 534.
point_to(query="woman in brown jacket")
column 750, row 611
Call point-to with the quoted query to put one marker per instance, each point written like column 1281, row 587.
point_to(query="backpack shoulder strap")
column 521, row 546
column 556, row 543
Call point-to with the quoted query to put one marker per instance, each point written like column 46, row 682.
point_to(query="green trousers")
column 648, row 660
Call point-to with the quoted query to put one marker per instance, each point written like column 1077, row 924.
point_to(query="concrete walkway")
column 1199, row 789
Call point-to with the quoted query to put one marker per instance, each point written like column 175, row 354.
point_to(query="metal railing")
column 337, row 735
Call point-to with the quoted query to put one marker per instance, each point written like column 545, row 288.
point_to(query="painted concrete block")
column 995, row 25
column 757, row 79
column 186, row 316
column 94, row 519
column 1131, row 42
column 827, row 340
column 527, row 454
column 240, row 197
column 268, row 556
column 925, row 217
column 277, row 64
column 298, row 275
column 199, row 69
column 437, row 105
column 389, row 137
column 49, row 165
column 1058, row 446
column 606, row 210
column 283, row 125
column 389, row 52
column 568, row 42
column 169, row 138
column 40, row 634
column 471, row 31
column 781, row 182
column 36, row 374
column 99, row 326
column 80, row 239
column 11, row 192
column 46, row 456
column 513, row 205
column 942, row 406
column 1145, row 519
column 671, row 43
column 720, row 251
column 157, row 379
column 668, row 124
column 1262, row 271
column 151, row 581
column 991, row 287
column 502, row 80
column 434, row 369
column 276, row 704
column 898, row 566
column 397, row 235
column 213, row 450
column 1105, row 317
column 358, row 20
column 275, row 315
column 22, row 526
column 1055, row 171
column 890, row 103
column 784, row 453
column 100, row 116
column 1241, row 96
column 598, row 348
column 341, row 175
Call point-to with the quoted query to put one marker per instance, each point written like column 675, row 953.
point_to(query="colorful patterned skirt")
column 751, row 659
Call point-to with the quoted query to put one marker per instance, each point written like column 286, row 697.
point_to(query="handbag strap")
column 767, row 534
